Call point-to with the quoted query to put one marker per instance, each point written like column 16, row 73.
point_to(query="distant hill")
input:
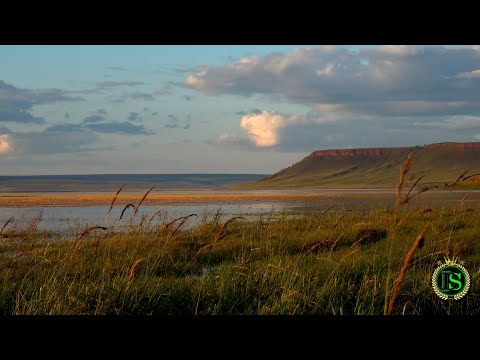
column 376, row 167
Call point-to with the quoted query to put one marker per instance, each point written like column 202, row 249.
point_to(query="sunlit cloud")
column 263, row 128
column 5, row 144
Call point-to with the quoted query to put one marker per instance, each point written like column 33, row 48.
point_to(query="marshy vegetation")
column 378, row 261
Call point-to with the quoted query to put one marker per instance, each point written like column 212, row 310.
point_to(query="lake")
column 69, row 219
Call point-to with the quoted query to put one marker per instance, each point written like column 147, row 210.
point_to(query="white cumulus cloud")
column 262, row 128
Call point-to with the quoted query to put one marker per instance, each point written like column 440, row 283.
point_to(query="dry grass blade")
column 461, row 202
column 459, row 178
column 221, row 234
column 325, row 211
column 143, row 198
column 131, row 274
column 470, row 176
column 185, row 218
column 86, row 231
column 336, row 242
column 418, row 243
column 153, row 216
column 209, row 246
column 167, row 226
column 5, row 225
column 403, row 171
column 338, row 221
column 124, row 209
column 411, row 188
column 142, row 220
column 115, row 198
column 422, row 190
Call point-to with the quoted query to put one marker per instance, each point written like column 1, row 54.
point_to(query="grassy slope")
column 440, row 163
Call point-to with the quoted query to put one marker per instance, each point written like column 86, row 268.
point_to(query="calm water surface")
column 69, row 220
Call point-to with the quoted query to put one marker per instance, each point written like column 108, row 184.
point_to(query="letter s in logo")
column 455, row 281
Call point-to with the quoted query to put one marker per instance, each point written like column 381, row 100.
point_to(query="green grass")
column 313, row 264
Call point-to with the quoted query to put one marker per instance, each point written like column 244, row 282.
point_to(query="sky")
column 225, row 109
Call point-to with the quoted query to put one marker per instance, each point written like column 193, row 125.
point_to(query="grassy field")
column 332, row 262
column 336, row 261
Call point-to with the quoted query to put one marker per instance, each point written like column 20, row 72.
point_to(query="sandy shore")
column 154, row 199
column 38, row 200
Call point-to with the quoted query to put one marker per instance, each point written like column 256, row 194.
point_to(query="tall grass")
column 115, row 198
column 261, row 267
column 419, row 241
column 143, row 198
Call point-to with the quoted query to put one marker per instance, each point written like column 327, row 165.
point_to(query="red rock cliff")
column 467, row 150
column 462, row 150
column 365, row 152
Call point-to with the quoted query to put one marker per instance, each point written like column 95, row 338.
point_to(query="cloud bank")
column 16, row 104
column 399, row 90
column 433, row 77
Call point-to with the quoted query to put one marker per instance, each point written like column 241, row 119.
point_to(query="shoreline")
column 105, row 199
column 24, row 201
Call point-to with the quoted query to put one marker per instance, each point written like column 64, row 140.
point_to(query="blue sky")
column 225, row 109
